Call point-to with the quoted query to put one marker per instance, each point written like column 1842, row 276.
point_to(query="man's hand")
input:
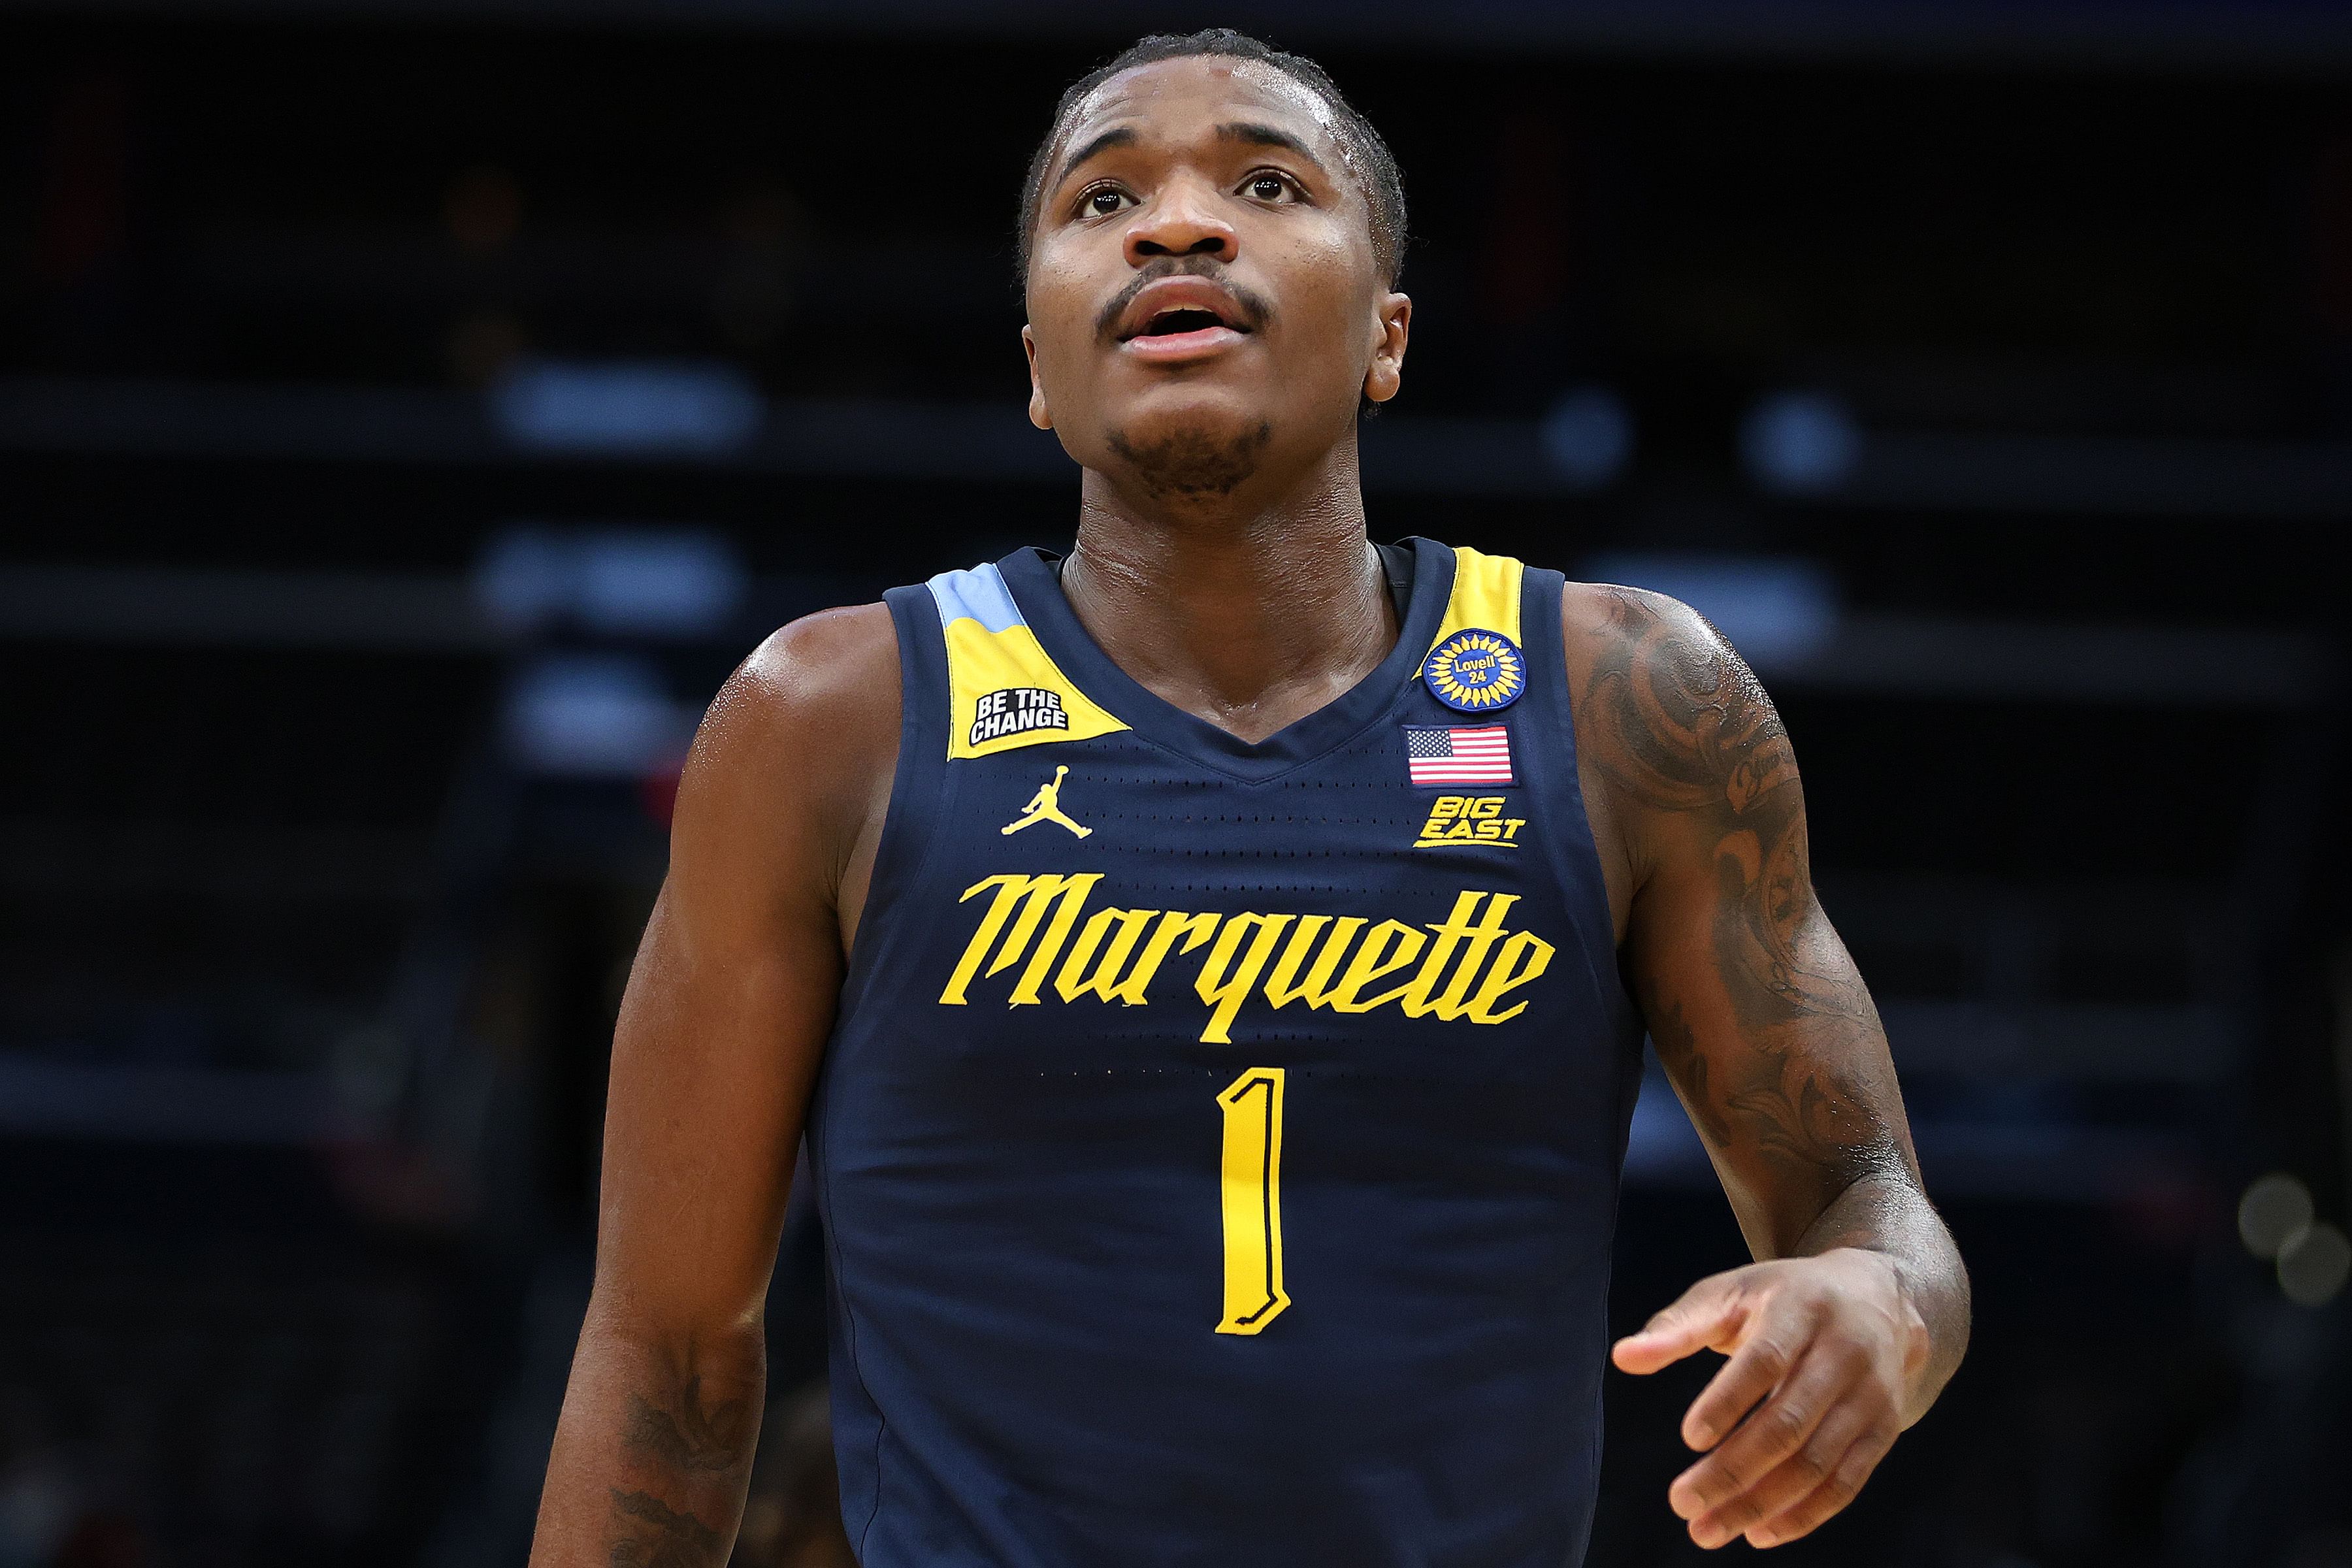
column 1827, row 1354
column 1860, row 1315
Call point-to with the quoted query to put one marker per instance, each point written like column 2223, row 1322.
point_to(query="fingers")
column 1772, row 1435
column 1799, row 1416
column 1770, row 1344
column 1708, row 1316
column 1837, row 1490
column 1817, row 1478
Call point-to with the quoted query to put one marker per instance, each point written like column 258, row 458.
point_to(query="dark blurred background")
column 409, row 412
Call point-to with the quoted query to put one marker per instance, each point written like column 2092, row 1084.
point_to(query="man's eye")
column 1104, row 201
column 1268, row 187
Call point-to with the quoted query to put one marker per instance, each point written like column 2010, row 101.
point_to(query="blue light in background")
column 616, row 582
column 1589, row 436
column 1776, row 610
column 1800, row 443
column 595, row 716
column 644, row 408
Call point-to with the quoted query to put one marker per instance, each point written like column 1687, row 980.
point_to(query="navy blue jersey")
column 1218, row 1147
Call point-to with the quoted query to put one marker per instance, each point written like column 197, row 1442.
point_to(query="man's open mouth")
column 1185, row 319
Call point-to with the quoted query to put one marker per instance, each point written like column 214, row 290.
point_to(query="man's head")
column 1211, row 240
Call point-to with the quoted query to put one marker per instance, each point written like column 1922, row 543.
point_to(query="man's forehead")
column 1193, row 93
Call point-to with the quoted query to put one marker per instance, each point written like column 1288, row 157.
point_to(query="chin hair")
column 1192, row 463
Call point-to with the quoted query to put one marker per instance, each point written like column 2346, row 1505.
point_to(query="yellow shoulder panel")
column 1003, row 690
column 1485, row 595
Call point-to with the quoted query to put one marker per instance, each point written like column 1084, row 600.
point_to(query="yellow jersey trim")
column 1485, row 597
column 1004, row 691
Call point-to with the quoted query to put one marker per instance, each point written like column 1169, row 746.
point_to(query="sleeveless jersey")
column 1218, row 1146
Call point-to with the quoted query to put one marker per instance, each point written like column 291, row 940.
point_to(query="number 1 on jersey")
column 1252, row 1169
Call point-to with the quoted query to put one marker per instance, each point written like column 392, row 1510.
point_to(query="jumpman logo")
column 1045, row 806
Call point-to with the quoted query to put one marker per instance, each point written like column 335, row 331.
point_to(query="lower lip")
column 1173, row 347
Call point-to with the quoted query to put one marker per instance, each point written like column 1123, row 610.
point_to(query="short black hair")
column 1369, row 159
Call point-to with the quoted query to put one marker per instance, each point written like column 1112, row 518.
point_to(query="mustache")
column 1257, row 310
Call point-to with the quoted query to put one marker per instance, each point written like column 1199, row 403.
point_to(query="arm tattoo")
column 1682, row 729
column 660, row 1536
column 1783, row 1101
column 696, row 1438
column 690, row 1447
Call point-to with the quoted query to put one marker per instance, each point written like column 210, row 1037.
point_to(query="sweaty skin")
column 1222, row 561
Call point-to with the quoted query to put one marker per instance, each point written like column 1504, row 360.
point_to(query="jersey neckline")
column 1029, row 573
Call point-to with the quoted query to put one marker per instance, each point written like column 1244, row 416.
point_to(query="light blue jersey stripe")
column 979, row 594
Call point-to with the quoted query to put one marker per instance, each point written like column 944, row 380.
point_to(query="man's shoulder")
column 1666, row 709
column 1621, row 637
column 824, row 660
column 830, row 670
column 815, row 707
column 1601, row 616
column 1610, row 617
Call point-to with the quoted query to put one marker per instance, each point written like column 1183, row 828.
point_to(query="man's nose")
column 1182, row 219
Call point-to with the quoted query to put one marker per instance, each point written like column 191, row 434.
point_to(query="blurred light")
column 36, row 1509
column 1799, row 442
column 595, row 716
column 617, row 582
column 641, row 407
column 1774, row 610
column 2314, row 1264
column 1589, row 436
column 2271, row 1211
column 366, row 1068
column 483, row 210
column 484, row 347
column 1660, row 1144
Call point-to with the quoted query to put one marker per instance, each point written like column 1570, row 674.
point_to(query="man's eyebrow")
column 1117, row 136
column 1258, row 135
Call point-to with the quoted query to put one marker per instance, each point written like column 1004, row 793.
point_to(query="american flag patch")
column 1447, row 754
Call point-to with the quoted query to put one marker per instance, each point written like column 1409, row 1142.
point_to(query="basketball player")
column 1221, row 1169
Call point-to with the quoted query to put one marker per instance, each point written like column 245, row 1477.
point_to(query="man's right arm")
column 726, row 1015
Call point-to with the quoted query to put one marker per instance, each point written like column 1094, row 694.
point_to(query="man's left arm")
column 1856, row 1312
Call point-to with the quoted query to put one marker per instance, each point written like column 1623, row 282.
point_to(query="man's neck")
column 1250, row 611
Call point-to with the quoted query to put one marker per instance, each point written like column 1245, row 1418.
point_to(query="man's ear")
column 1039, row 415
column 1393, row 325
